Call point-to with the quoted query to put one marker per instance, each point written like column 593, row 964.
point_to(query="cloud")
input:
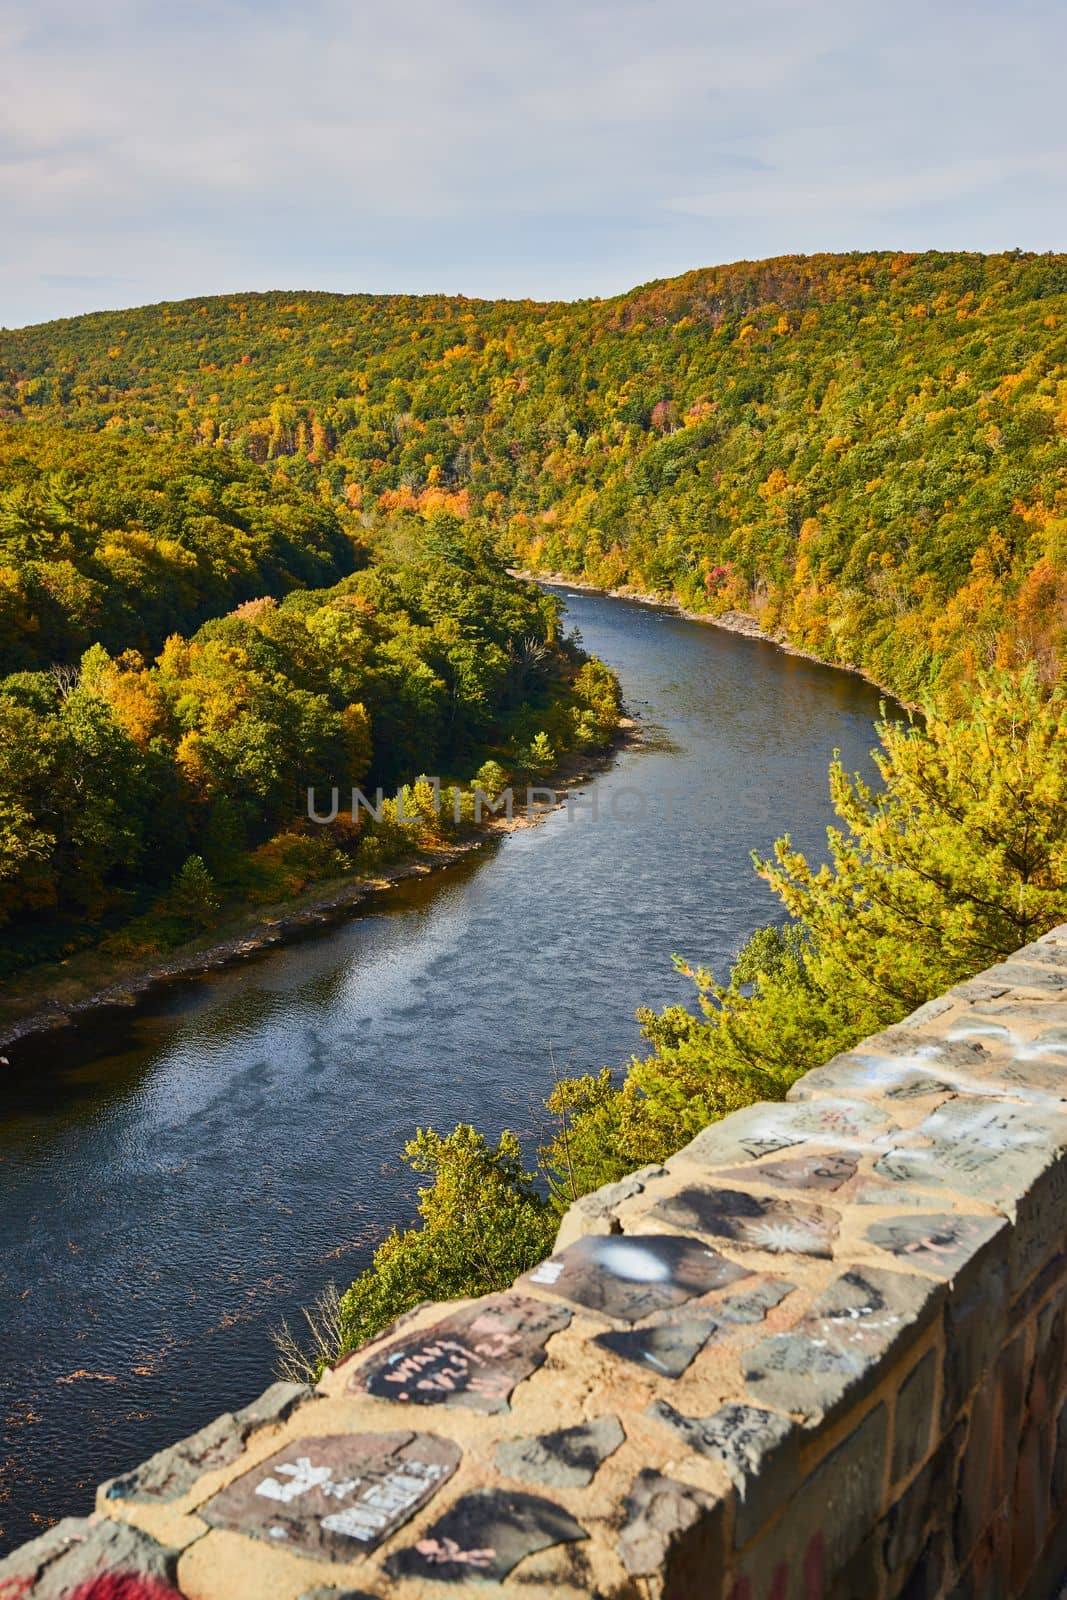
column 149, row 151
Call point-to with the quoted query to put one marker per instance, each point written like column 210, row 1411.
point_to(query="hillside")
column 867, row 452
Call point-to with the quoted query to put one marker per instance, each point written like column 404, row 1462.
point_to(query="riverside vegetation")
column 865, row 453
column 146, row 790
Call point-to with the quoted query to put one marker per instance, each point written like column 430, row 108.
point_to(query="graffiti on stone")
column 629, row 1276
column 335, row 1496
column 977, row 1147
column 841, row 1341
column 752, row 1303
column 566, row 1458
column 894, row 1077
column 483, row 1536
column 779, row 1226
column 938, row 1243
column 666, row 1349
column 765, row 1130
column 742, row 1437
column 473, row 1358
column 823, row 1170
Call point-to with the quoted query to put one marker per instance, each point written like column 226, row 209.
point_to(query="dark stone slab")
column 670, row 1528
column 928, row 1499
column 942, row 1243
column 823, row 1170
column 666, row 1349
column 567, row 1458
column 78, row 1551
column 324, row 1592
column 473, row 1358
column 483, row 1536
column 779, row 1226
column 976, row 1326
column 337, row 1496
column 628, row 1276
column 759, row 1449
column 913, row 1416
column 840, row 1347
column 752, row 1303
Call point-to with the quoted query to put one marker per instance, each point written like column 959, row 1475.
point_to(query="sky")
column 559, row 149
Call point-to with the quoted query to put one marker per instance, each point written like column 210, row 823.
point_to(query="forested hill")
column 867, row 452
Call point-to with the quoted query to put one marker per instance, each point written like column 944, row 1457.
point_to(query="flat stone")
column 1046, row 952
column 335, row 1497
column 985, row 1149
column 929, row 1012
column 565, row 1459
column 483, row 1536
column 976, row 989
column 171, row 1473
column 666, row 1525
column 1030, row 974
column 273, row 1405
column 977, row 1056
column 840, row 1347
column 886, row 1194
column 939, row 1243
column 473, row 1358
column 821, row 1170
column 628, row 1276
column 596, row 1212
column 1016, row 1013
column 78, row 1550
column 779, row 1226
column 759, row 1449
column 752, row 1303
column 666, row 1349
column 767, row 1128
column 324, row 1592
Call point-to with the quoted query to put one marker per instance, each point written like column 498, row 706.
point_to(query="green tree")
column 483, row 1222
column 193, row 894
column 959, row 859
column 540, row 757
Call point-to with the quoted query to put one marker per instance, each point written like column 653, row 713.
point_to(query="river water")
column 173, row 1185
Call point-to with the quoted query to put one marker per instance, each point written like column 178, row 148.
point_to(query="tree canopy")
column 865, row 451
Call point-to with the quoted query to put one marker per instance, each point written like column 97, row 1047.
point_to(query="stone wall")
column 823, row 1352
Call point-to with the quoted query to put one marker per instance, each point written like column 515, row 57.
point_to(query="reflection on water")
column 173, row 1185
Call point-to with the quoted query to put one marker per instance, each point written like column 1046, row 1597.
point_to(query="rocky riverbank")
column 732, row 621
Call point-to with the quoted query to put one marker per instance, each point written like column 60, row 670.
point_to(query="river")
column 173, row 1185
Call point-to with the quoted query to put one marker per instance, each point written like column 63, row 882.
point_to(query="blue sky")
column 151, row 151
